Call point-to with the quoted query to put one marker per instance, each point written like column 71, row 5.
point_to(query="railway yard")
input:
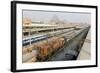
column 52, row 43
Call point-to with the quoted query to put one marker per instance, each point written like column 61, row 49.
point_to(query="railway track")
column 66, row 35
column 72, row 49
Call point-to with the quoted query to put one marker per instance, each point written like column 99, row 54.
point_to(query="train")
column 32, row 40
column 47, row 50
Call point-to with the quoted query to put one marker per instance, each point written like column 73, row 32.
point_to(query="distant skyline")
column 63, row 16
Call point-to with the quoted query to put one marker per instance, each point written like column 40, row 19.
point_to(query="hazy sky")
column 67, row 16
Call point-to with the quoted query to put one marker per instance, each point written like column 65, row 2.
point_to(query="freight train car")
column 47, row 49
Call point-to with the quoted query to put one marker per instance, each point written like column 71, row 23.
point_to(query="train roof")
column 33, row 36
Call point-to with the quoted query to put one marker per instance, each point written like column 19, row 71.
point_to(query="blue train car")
column 34, row 40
